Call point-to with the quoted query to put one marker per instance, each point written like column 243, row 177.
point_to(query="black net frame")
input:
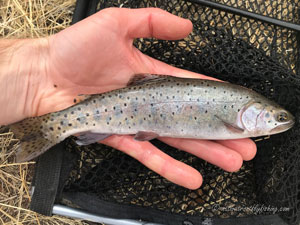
column 241, row 50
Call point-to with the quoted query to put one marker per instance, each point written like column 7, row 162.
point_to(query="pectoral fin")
column 89, row 138
column 145, row 136
column 232, row 127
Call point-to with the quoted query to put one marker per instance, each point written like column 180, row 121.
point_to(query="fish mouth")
column 283, row 127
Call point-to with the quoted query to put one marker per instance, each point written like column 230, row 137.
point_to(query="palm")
column 97, row 55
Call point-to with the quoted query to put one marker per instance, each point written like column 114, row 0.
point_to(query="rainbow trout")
column 156, row 106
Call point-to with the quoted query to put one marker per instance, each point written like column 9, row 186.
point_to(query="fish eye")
column 282, row 117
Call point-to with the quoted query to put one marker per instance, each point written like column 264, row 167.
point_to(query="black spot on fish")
column 107, row 123
column 188, row 84
column 151, row 104
column 52, row 119
column 70, row 124
column 97, row 112
column 74, row 100
column 131, row 117
column 126, row 118
column 87, row 114
column 144, row 118
column 59, row 128
column 195, row 118
column 224, row 92
column 94, row 101
column 109, row 118
column 144, row 99
column 205, row 91
column 55, row 85
column 205, row 111
column 86, row 123
column 109, row 96
column 41, row 127
column 64, row 131
column 173, row 113
column 215, row 87
column 177, row 84
column 94, row 124
column 128, row 97
column 65, row 115
column 136, row 98
column 72, row 112
column 62, row 122
column 149, row 116
column 105, row 110
column 78, row 108
column 269, row 121
column 225, row 106
column 125, row 104
column 121, row 111
column 231, row 106
column 239, row 110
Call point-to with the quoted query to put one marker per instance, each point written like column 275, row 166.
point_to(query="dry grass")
column 23, row 19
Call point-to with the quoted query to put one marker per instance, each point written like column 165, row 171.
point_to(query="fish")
column 153, row 106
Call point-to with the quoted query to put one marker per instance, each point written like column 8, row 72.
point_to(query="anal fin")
column 145, row 136
column 87, row 138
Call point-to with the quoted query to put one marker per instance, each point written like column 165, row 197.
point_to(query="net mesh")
column 243, row 51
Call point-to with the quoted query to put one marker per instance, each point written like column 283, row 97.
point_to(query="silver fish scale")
column 162, row 106
column 173, row 107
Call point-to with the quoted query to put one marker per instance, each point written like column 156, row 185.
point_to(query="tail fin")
column 33, row 141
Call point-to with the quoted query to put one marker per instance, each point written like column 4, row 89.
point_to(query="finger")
column 245, row 147
column 173, row 170
column 152, row 22
column 210, row 151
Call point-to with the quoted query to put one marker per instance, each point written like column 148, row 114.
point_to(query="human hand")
column 97, row 55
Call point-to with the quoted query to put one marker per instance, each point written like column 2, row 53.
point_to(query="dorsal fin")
column 142, row 78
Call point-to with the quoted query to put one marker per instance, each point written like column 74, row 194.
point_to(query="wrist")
column 22, row 65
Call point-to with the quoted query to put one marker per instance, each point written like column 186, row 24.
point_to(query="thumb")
column 151, row 22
